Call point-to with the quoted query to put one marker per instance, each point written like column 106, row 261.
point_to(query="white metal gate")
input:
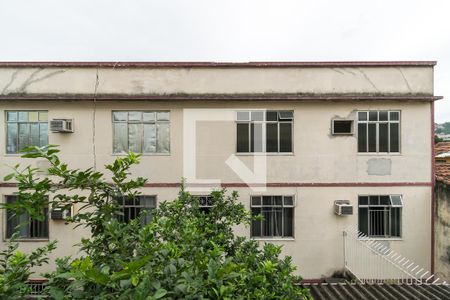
column 370, row 261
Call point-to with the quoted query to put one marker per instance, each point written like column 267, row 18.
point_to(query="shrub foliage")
column 183, row 253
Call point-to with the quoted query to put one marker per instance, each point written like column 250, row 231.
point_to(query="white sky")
column 230, row 30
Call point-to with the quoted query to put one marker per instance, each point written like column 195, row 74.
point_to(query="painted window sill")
column 275, row 239
column 142, row 154
column 379, row 154
column 27, row 240
column 265, row 154
column 380, row 239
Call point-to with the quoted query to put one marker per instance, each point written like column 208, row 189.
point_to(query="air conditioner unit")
column 343, row 208
column 341, row 127
column 61, row 125
column 60, row 213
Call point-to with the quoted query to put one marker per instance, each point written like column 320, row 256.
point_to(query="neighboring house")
column 442, row 152
column 361, row 132
column 443, row 136
column 442, row 210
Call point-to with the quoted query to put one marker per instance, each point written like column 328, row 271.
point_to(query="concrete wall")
column 326, row 80
column 442, row 229
column 318, row 157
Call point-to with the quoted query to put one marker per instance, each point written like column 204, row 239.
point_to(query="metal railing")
column 37, row 288
column 371, row 261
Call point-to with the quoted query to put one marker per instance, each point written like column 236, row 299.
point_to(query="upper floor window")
column 133, row 206
column 380, row 216
column 264, row 131
column 27, row 227
column 25, row 129
column 277, row 213
column 379, row 131
column 141, row 131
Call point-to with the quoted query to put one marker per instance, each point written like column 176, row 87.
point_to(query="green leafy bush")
column 183, row 253
column 15, row 268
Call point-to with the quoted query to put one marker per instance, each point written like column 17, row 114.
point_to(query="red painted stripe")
column 277, row 184
column 296, row 184
column 433, row 200
column 287, row 64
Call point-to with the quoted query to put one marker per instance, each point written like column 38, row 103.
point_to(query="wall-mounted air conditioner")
column 341, row 127
column 59, row 213
column 343, row 208
column 61, row 125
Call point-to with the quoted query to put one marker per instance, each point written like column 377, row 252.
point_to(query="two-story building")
column 291, row 138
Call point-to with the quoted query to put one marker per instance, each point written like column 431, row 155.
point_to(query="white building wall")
column 318, row 158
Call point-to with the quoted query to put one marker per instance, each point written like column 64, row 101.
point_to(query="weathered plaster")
column 297, row 80
column 442, row 229
column 379, row 166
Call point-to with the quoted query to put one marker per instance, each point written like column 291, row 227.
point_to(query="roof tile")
column 442, row 173
column 441, row 147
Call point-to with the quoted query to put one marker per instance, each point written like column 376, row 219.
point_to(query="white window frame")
column 24, row 238
column 274, row 237
column 142, row 137
column 263, row 122
column 23, row 122
column 140, row 206
column 377, row 137
column 392, row 205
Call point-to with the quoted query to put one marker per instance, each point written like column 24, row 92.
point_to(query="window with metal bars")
column 277, row 213
column 380, row 216
column 205, row 203
column 37, row 288
column 25, row 129
column 27, row 227
column 379, row 131
column 132, row 207
column 141, row 131
column 264, row 131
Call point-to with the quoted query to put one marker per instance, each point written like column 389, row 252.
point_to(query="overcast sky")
column 229, row 30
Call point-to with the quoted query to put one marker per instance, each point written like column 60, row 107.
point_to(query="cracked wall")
column 137, row 81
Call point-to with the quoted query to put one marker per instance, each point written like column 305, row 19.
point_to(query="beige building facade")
column 291, row 138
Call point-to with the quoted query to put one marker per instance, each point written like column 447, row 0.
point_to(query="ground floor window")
column 277, row 213
column 380, row 215
column 133, row 206
column 205, row 203
column 27, row 227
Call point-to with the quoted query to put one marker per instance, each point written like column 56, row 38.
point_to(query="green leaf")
column 56, row 294
column 160, row 293
column 134, row 280
column 125, row 283
column 9, row 177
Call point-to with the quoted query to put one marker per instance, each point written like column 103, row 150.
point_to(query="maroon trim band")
column 276, row 184
column 433, row 200
column 287, row 64
column 217, row 97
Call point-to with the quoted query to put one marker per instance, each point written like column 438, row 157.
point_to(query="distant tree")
column 443, row 128
column 437, row 139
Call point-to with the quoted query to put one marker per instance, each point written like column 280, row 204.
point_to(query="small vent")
column 342, row 127
column 343, row 208
column 61, row 125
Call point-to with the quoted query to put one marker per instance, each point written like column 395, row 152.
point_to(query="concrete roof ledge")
column 199, row 64
column 216, row 81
